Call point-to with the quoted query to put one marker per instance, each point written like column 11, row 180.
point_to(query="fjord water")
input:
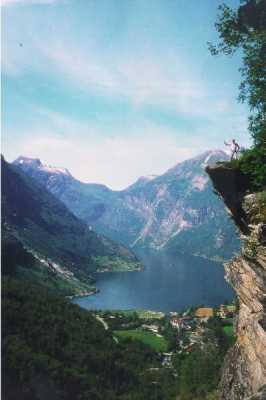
column 168, row 283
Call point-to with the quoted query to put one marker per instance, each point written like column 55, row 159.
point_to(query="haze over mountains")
column 35, row 223
column 177, row 211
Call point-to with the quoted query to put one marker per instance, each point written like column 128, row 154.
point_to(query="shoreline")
column 141, row 269
column 96, row 290
column 83, row 294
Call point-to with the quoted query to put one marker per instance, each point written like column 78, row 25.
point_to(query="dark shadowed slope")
column 56, row 237
column 52, row 349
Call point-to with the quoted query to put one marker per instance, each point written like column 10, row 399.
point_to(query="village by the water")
column 174, row 334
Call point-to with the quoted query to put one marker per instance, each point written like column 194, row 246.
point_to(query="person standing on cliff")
column 234, row 147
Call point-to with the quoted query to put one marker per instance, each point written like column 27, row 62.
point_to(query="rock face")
column 176, row 210
column 244, row 372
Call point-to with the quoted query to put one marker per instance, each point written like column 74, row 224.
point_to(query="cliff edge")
column 244, row 371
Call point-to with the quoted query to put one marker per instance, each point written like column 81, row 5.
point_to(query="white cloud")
column 115, row 161
column 80, row 68
column 143, row 78
column 94, row 154
column 162, row 78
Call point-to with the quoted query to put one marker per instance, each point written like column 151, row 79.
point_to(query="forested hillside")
column 60, row 243
column 54, row 349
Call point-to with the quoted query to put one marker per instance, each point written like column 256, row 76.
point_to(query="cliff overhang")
column 232, row 185
column 244, row 371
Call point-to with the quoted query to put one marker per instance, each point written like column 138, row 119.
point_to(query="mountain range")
column 52, row 244
column 177, row 210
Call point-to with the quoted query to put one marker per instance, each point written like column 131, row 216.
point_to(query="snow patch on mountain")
column 35, row 163
column 55, row 170
column 27, row 161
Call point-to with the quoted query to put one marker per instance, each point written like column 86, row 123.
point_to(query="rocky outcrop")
column 244, row 372
column 260, row 395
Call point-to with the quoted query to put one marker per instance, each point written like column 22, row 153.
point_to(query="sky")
column 116, row 89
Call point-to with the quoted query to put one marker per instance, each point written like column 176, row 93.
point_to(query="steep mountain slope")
column 52, row 349
column 175, row 209
column 58, row 239
column 244, row 372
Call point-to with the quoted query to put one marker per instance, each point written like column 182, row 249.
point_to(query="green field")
column 147, row 314
column 157, row 343
column 142, row 314
column 229, row 330
column 116, row 264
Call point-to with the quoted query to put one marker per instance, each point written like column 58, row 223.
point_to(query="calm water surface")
column 168, row 283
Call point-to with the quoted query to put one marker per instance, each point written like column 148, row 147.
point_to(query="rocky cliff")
column 244, row 372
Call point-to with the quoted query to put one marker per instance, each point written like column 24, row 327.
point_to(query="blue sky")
column 116, row 89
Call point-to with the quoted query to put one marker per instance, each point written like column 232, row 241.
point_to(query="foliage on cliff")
column 244, row 29
column 199, row 371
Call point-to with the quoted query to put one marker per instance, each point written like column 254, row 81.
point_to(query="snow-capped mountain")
column 29, row 163
column 177, row 210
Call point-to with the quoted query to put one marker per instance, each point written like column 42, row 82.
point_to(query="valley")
column 133, row 200
column 167, row 283
column 161, row 317
column 163, row 298
column 177, row 210
column 42, row 241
